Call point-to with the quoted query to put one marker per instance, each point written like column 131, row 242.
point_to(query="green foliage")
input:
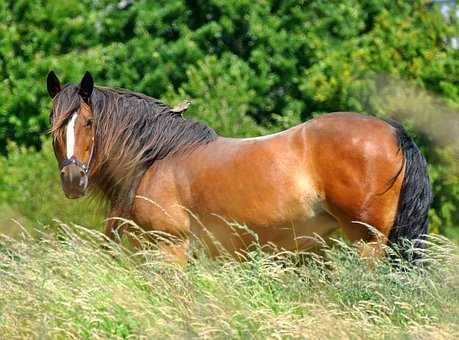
column 249, row 66
column 222, row 95
column 65, row 286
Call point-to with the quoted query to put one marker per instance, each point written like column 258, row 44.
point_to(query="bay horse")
column 177, row 176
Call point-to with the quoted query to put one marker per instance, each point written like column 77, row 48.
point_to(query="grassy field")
column 62, row 285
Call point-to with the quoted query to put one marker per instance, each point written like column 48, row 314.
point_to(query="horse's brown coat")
column 284, row 186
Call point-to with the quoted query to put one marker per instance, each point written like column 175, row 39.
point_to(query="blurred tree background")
column 250, row 67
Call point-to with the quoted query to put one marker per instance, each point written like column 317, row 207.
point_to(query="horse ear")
column 53, row 84
column 86, row 87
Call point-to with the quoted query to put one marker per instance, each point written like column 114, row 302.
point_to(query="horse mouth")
column 73, row 195
column 75, row 191
column 73, row 183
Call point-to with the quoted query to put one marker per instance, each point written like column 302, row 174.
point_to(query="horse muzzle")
column 74, row 180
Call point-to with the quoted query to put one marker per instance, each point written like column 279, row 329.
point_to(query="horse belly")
column 302, row 234
column 287, row 218
column 219, row 235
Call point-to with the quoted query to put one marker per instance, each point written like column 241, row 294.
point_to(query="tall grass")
column 63, row 285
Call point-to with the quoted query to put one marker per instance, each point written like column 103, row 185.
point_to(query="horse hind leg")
column 370, row 242
column 368, row 223
column 369, row 230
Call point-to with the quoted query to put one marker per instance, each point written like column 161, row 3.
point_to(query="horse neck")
column 116, row 187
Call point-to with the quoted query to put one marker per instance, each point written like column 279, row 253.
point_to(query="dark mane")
column 132, row 132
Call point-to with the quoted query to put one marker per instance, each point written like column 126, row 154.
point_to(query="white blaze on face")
column 71, row 136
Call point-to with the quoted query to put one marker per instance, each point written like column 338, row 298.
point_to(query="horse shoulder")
column 158, row 204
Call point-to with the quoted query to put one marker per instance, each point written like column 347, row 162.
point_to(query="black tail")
column 411, row 222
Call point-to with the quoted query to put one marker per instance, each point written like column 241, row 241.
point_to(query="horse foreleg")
column 112, row 230
column 176, row 252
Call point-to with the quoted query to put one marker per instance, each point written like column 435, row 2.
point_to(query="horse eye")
column 89, row 123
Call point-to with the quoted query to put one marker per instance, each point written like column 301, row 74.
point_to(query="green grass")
column 62, row 285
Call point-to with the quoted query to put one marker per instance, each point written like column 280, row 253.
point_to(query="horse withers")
column 176, row 176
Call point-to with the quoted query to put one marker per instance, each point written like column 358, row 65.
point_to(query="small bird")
column 182, row 107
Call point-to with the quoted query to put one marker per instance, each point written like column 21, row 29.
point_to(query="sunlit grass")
column 63, row 285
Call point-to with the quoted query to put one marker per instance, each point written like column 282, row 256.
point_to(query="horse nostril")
column 81, row 173
column 62, row 172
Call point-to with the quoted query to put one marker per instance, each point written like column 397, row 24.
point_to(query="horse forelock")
column 132, row 132
column 64, row 104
